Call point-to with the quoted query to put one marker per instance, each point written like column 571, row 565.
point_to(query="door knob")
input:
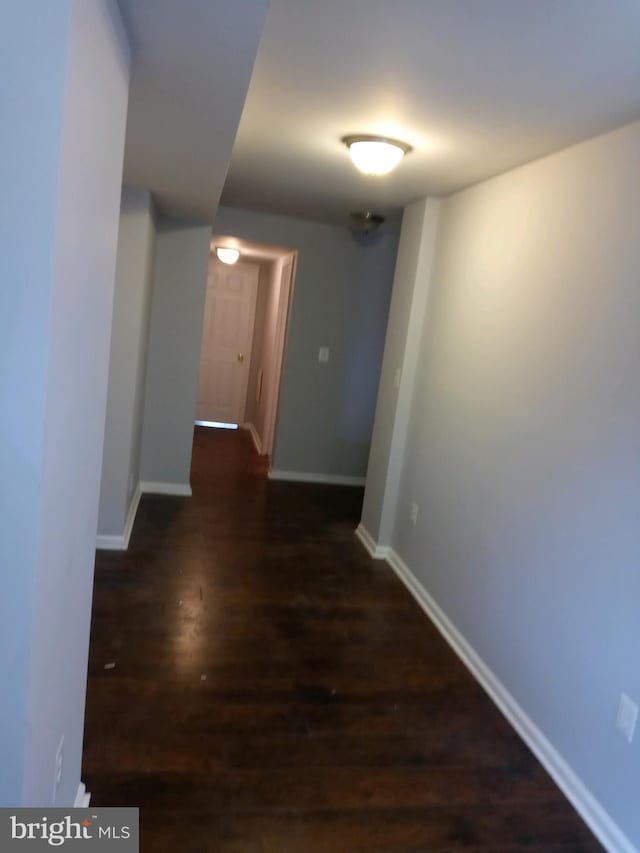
column 240, row 357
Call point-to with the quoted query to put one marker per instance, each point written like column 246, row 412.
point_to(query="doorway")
column 244, row 337
column 227, row 338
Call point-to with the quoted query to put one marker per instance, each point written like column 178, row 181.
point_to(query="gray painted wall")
column 128, row 360
column 63, row 139
column 177, row 310
column 524, row 446
column 341, row 300
column 402, row 346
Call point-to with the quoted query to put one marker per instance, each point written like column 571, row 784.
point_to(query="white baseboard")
column 307, row 477
column 131, row 515
column 83, row 797
column 257, row 442
column 594, row 815
column 178, row 489
column 120, row 543
column 110, row 542
column 378, row 552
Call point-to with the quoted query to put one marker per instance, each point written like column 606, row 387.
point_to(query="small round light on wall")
column 375, row 155
column 227, row 256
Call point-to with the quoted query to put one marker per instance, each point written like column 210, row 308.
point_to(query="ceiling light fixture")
column 375, row 155
column 365, row 221
column 227, row 256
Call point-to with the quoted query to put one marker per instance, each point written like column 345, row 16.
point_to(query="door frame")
column 280, row 347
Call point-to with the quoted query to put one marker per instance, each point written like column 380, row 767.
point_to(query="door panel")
column 227, row 336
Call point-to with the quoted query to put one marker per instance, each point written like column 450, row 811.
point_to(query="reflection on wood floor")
column 276, row 690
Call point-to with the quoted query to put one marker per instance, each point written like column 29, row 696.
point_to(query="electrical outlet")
column 626, row 717
column 323, row 355
column 414, row 513
column 57, row 772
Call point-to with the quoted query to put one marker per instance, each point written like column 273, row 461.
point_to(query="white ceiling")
column 476, row 86
column 191, row 66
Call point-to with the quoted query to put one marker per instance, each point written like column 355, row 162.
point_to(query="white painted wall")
column 523, row 449
column 402, row 345
column 63, row 105
column 171, row 390
column 128, row 361
column 341, row 300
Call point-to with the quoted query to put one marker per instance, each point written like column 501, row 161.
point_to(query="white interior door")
column 227, row 336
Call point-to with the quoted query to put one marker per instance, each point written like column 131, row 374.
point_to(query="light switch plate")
column 323, row 355
column 627, row 717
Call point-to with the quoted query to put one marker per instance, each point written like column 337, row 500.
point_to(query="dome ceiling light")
column 227, row 256
column 375, row 155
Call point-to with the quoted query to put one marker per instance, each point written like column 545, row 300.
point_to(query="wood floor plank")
column 276, row 690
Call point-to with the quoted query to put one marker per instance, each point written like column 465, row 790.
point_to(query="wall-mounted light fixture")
column 375, row 155
column 227, row 256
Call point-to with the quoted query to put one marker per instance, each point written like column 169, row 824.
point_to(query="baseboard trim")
column 309, row 477
column 131, row 515
column 83, row 797
column 592, row 812
column 148, row 487
column 108, row 542
column 378, row 552
column 257, row 442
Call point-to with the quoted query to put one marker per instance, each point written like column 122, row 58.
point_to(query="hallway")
column 276, row 690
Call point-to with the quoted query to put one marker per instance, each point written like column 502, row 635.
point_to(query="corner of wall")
column 404, row 332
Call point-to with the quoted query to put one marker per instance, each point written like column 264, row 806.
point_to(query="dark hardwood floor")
column 277, row 690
